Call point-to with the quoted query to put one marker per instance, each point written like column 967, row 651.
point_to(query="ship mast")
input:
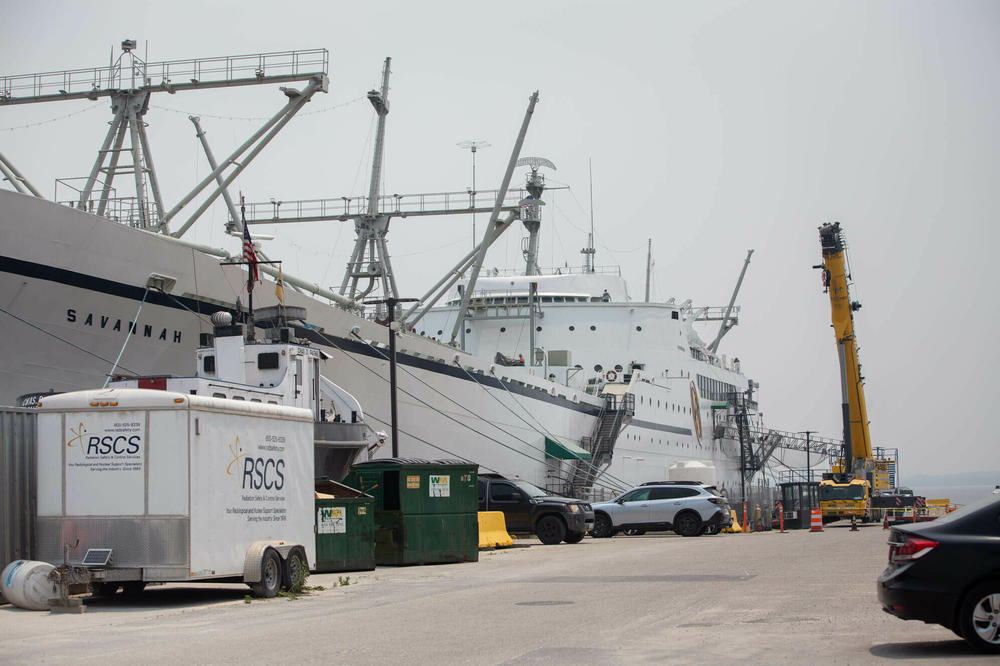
column 370, row 258
column 649, row 264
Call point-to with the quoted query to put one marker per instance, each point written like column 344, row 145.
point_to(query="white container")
column 179, row 487
column 693, row 470
column 26, row 584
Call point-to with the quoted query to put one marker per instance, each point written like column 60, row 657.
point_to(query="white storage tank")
column 693, row 470
column 26, row 584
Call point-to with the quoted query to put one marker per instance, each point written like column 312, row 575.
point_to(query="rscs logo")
column 266, row 473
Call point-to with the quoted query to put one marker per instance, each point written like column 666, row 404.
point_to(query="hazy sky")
column 713, row 128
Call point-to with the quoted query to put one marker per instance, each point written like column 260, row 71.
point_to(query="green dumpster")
column 425, row 511
column 345, row 528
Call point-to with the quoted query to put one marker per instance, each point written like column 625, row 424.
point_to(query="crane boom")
column 857, row 441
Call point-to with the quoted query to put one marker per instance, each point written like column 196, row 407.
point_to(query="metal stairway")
column 615, row 415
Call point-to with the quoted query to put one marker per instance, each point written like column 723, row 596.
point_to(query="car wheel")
column 270, row 576
column 602, row 527
column 633, row 532
column 688, row 524
column 574, row 537
column 711, row 528
column 550, row 530
column 979, row 617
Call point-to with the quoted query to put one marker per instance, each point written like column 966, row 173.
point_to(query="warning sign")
column 440, row 485
column 412, row 481
column 331, row 520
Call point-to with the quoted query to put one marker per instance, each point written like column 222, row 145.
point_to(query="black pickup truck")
column 528, row 509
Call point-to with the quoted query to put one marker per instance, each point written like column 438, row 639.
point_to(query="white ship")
column 613, row 391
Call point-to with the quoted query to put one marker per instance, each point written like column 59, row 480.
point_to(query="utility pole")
column 393, row 325
column 809, row 472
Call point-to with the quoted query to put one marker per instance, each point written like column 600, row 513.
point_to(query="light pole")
column 393, row 325
column 473, row 146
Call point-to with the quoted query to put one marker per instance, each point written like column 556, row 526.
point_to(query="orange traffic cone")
column 885, row 521
column 816, row 524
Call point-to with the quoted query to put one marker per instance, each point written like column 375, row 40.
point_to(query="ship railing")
column 557, row 270
column 200, row 72
column 397, row 205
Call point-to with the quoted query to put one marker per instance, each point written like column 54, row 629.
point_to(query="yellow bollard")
column 493, row 530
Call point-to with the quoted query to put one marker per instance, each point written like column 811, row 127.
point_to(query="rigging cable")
column 128, row 336
column 545, row 432
column 71, row 344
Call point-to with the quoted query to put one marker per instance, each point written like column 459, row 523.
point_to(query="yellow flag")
column 279, row 287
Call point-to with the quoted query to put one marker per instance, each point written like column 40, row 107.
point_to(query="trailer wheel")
column 295, row 571
column 104, row 589
column 270, row 576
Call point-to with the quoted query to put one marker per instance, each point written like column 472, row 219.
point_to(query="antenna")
column 473, row 146
column 589, row 251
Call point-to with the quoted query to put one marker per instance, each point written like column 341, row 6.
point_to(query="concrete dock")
column 760, row 598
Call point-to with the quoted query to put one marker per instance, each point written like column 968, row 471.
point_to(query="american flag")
column 250, row 257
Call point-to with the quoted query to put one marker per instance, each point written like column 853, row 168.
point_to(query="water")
column 960, row 495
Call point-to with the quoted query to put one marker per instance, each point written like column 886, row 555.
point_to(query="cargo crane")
column 845, row 492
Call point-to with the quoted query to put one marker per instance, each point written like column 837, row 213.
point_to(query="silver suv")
column 687, row 508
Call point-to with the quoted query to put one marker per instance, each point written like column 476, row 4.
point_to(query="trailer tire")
column 105, row 589
column 270, row 576
column 295, row 571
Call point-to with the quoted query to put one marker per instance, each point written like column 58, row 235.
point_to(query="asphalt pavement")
column 764, row 598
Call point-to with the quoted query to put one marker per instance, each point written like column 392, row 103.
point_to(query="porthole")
column 538, row 328
column 503, row 329
column 593, row 328
column 440, row 332
column 423, row 332
column 468, row 330
column 638, row 328
column 598, row 368
column 572, row 328
column 618, row 368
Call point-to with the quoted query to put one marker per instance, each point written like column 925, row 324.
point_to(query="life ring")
column 611, row 375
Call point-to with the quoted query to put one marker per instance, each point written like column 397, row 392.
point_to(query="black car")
column 528, row 509
column 947, row 572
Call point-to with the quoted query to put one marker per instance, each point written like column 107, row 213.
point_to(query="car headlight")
column 573, row 508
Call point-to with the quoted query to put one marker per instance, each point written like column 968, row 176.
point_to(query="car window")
column 637, row 495
column 481, row 490
column 502, row 492
column 531, row 490
column 664, row 493
column 687, row 492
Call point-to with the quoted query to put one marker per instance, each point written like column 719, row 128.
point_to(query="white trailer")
column 138, row 485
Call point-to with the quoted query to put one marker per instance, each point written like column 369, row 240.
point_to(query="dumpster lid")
column 332, row 489
column 414, row 461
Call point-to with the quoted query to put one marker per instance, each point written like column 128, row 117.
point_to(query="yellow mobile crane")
column 846, row 491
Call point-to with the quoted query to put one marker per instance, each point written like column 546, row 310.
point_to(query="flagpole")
column 250, row 270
